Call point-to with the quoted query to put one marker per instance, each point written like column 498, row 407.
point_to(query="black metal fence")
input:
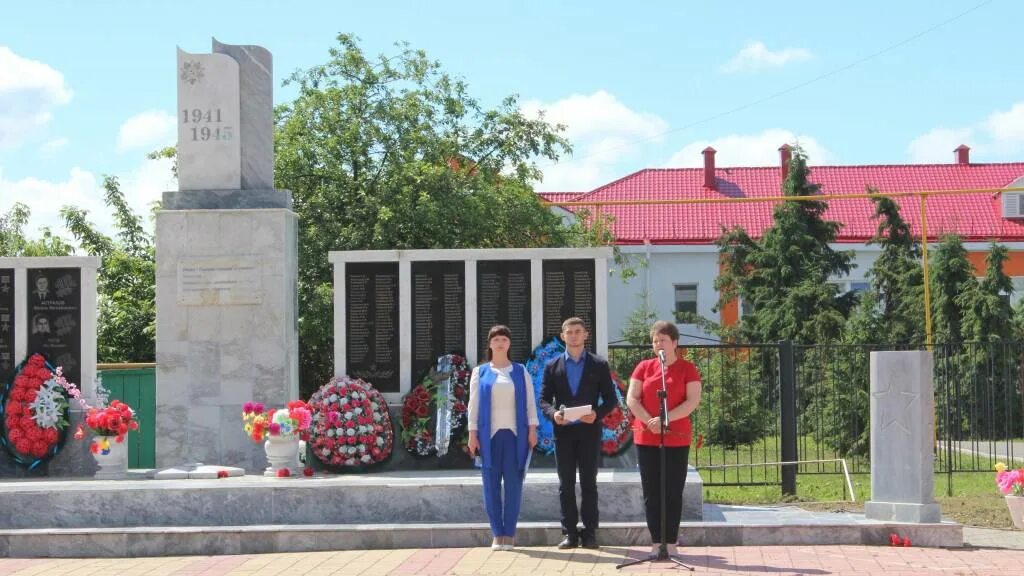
column 765, row 403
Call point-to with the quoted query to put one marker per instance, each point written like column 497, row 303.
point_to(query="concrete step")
column 259, row 539
column 433, row 497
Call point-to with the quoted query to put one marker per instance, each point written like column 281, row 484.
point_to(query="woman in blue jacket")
column 502, row 430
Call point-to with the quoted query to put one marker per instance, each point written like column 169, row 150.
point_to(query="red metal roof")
column 973, row 216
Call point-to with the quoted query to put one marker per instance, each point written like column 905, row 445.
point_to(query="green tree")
column 951, row 275
column 126, row 280
column 15, row 242
column 897, row 279
column 785, row 275
column 986, row 307
column 393, row 153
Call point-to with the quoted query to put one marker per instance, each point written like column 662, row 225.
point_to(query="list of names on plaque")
column 503, row 297
column 7, row 360
column 371, row 323
column 568, row 292
column 55, row 317
column 438, row 312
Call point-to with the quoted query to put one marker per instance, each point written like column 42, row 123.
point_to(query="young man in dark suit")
column 577, row 378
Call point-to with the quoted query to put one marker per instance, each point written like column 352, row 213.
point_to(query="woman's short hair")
column 498, row 330
column 667, row 328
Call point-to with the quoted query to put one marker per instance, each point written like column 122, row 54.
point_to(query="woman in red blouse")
column 682, row 383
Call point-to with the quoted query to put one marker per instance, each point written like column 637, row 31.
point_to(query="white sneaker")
column 508, row 547
column 496, row 546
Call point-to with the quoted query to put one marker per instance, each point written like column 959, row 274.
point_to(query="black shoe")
column 589, row 541
column 570, row 541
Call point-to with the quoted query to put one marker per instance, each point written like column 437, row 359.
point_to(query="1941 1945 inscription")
column 206, row 124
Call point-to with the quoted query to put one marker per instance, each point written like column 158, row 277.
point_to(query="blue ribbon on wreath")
column 548, row 350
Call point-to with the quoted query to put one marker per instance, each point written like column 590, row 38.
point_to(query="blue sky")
column 87, row 88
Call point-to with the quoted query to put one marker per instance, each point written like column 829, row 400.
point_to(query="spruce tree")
column 785, row 275
column 951, row 274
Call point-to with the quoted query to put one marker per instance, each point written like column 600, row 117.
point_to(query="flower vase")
column 1016, row 506
column 111, row 458
column 282, row 454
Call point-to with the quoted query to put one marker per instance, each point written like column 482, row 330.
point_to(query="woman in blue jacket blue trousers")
column 502, row 431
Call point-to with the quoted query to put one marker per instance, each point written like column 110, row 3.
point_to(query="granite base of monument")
column 226, row 330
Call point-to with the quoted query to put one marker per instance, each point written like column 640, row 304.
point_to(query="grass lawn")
column 975, row 500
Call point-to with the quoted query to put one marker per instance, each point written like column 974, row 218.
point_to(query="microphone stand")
column 662, row 554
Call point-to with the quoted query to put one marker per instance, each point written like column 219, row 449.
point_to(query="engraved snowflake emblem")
column 192, row 71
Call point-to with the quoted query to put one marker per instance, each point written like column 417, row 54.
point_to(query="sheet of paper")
column 576, row 412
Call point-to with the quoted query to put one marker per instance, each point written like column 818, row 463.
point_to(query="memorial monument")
column 226, row 265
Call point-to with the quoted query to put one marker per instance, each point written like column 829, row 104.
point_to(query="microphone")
column 661, row 356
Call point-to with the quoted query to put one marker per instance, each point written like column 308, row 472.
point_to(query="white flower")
column 377, row 417
column 351, row 449
column 330, row 432
column 348, row 415
column 326, row 451
column 334, row 398
column 365, row 458
column 374, row 406
column 350, row 432
column 380, row 441
column 357, row 410
column 350, row 462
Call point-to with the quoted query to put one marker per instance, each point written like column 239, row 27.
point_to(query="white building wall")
column 688, row 264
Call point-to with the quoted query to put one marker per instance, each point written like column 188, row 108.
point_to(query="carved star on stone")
column 894, row 408
column 192, row 71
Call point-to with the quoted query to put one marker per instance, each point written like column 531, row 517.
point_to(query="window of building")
column 686, row 298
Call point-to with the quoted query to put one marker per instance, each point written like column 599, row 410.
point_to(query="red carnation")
column 50, row 435
column 284, row 473
column 422, row 410
column 24, row 445
column 39, row 448
column 307, row 472
column 222, row 473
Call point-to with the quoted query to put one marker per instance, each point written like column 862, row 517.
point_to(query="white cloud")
column 1007, row 128
column 936, row 146
column 757, row 56
column 54, row 145
column 760, row 149
column 997, row 138
column 83, row 189
column 29, row 91
column 604, row 133
column 149, row 130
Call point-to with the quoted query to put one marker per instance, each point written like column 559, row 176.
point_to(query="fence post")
column 787, row 396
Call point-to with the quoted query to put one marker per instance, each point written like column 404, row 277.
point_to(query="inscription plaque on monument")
column 503, row 297
column 219, row 281
column 7, row 360
column 569, row 291
column 54, row 326
column 371, row 323
column 438, row 312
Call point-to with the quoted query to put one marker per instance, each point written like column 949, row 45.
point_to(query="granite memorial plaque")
column 503, row 297
column 569, row 291
column 209, row 152
column 54, row 314
column 438, row 312
column 371, row 323
column 7, row 359
column 219, row 281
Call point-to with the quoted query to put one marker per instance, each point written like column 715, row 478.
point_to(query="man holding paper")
column 577, row 392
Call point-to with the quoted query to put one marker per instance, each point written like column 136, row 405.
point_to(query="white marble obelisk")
column 226, row 265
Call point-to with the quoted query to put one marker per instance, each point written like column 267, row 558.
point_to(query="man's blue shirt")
column 574, row 370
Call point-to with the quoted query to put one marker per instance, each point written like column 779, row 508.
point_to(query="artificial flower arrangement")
column 617, row 425
column 35, row 412
column 441, row 397
column 1010, row 482
column 294, row 420
column 547, row 351
column 351, row 424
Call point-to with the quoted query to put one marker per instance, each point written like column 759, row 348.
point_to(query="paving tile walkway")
column 990, row 552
